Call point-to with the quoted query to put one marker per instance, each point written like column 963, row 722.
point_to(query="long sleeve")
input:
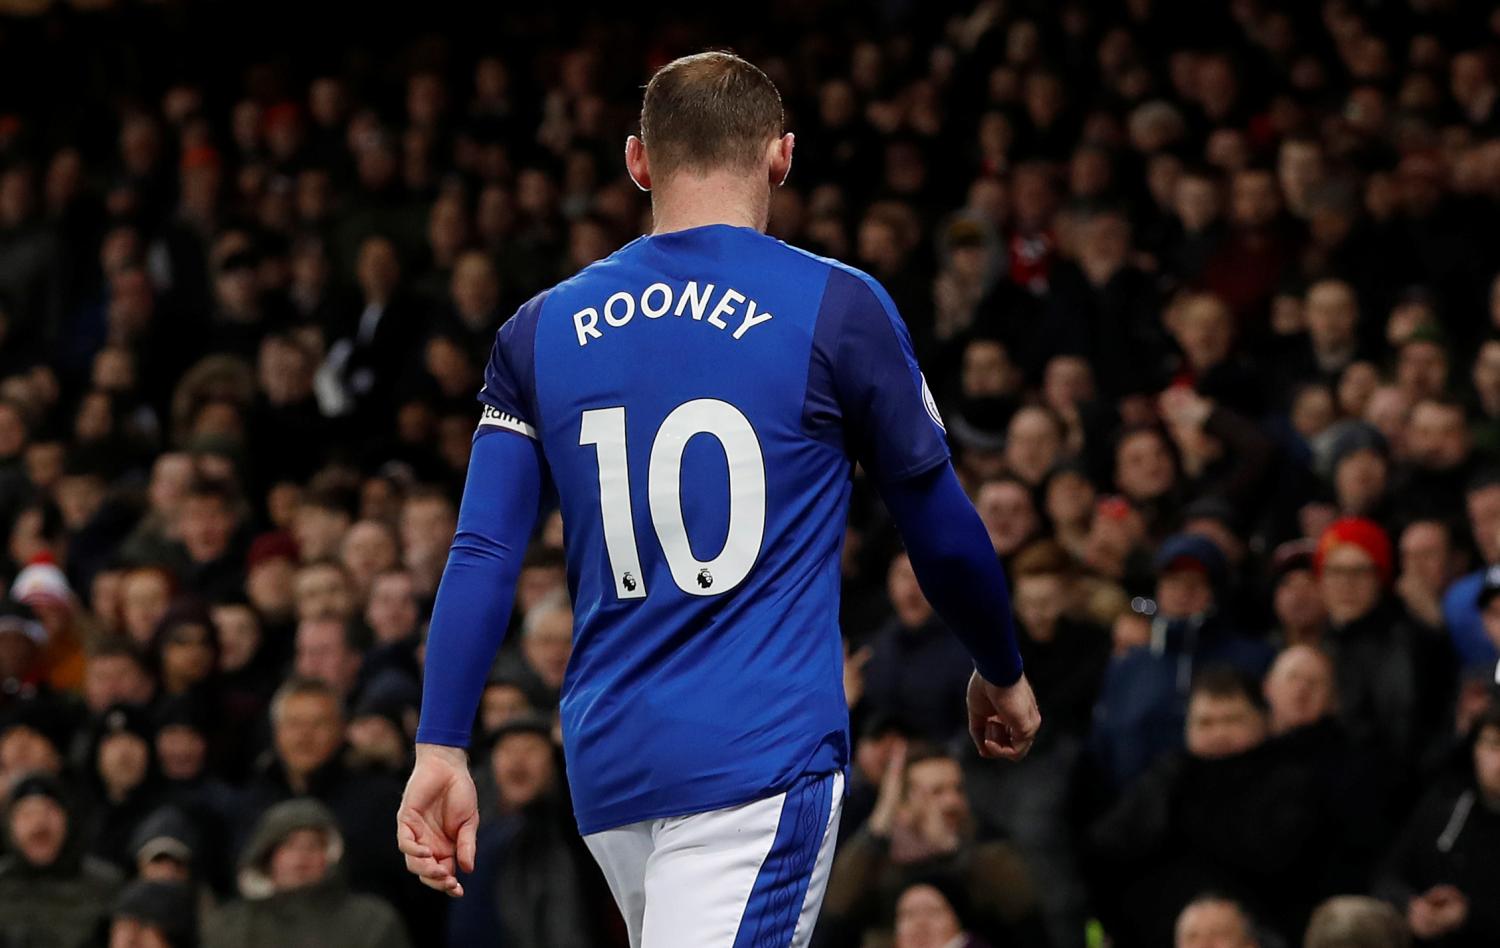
column 957, row 567
column 499, row 511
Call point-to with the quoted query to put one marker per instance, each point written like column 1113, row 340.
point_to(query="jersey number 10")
column 605, row 429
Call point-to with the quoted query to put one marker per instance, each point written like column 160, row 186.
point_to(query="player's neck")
column 718, row 198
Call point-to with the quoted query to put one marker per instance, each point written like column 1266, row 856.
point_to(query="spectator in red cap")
column 1393, row 677
column 270, row 568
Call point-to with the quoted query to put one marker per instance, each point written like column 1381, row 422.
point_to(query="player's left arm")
column 957, row 567
column 891, row 424
column 961, row 576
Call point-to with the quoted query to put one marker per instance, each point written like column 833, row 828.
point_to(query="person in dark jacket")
column 124, row 782
column 1030, row 801
column 1393, row 677
column 1230, row 814
column 182, row 758
column 292, row 893
column 1105, row 309
column 1444, row 871
column 50, row 891
column 916, row 665
column 1358, row 791
column 1143, row 703
column 1429, row 484
column 532, row 882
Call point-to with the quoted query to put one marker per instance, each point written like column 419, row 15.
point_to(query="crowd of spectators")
column 1207, row 294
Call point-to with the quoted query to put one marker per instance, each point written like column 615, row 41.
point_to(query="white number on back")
column 605, row 429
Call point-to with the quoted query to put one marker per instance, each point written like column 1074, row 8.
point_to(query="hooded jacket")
column 323, row 915
column 62, row 905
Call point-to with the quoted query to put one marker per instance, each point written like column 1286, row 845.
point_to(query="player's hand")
column 438, row 819
column 1003, row 720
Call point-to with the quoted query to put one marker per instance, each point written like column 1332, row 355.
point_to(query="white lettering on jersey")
column 609, row 309
column 750, row 319
column 699, row 303
column 656, row 300
column 726, row 307
column 586, row 323
column 493, row 417
column 647, row 309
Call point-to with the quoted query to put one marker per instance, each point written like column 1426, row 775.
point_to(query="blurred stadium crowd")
column 1207, row 293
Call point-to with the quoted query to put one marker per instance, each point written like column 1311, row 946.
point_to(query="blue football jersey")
column 700, row 397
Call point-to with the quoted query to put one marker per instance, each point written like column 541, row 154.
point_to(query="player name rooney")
column 725, row 309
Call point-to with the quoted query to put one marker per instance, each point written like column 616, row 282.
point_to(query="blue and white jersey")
column 699, row 397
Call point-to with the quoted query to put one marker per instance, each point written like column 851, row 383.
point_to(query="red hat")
column 42, row 583
column 1365, row 534
column 282, row 113
column 278, row 544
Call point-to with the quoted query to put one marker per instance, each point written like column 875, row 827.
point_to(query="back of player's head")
column 708, row 111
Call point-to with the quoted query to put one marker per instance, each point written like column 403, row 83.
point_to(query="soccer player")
column 697, row 401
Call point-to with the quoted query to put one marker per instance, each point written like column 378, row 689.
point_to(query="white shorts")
column 748, row 876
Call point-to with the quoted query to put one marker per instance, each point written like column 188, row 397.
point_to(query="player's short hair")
column 707, row 111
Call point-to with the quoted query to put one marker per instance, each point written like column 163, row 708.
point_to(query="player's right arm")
column 438, row 820
column 891, row 424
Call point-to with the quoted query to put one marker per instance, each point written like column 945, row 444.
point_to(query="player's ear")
column 636, row 163
column 781, row 159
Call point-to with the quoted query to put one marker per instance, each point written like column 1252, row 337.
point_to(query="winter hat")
column 1292, row 556
column 1355, row 437
column 276, row 545
column 390, row 694
column 166, row 832
column 170, row 907
column 1365, row 534
column 44, row 715
column 42, row 583
column 39, row 785
column 1213, row 508
column 1192, row 551
column 123, row 719
column 184, row 710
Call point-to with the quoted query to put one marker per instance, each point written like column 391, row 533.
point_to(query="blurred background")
column 1206, row 293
